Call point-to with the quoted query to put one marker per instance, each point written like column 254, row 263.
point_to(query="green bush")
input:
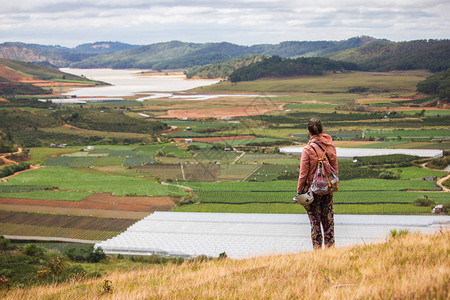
column 439, row 163
column 85, row 254
column 33, row 250
column 11, row 169
column 5, row 244
column 424, row 201
column 389, row 174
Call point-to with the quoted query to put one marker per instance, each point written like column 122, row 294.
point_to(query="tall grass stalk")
column 412, row 266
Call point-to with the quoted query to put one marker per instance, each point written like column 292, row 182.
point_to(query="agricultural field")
column 121, row 178
column 68, row 179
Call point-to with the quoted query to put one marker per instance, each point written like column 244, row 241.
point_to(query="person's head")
column 314, row 127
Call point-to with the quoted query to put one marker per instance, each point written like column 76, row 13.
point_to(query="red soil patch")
column 173, row 131
column 103, row 201
column 3, row 100
column 218, row 113
column 218, row 139
column 9, row 74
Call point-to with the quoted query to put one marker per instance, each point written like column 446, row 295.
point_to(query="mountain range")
column 166, row 55
column 369, row 53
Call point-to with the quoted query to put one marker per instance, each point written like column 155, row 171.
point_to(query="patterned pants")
column 321, row 212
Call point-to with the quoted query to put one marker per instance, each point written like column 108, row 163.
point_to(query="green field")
column 424, row 133
column 364, row 196
column 48, row 195
column 416, row 172
column 384, row 209
column 338, row 83
column 67, row 179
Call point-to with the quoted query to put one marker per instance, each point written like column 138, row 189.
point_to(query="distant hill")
column 433, row 55
column 176, row 54
column 57, row 55
column 16, row 77
column 103, row 47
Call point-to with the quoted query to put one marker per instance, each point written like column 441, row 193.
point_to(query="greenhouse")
column 185, row 234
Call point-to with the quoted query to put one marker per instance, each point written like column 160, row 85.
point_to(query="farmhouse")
column 58, row 145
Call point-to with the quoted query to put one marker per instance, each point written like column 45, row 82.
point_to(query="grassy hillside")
column 34, row 71
column 433, row 55
column 411, row 266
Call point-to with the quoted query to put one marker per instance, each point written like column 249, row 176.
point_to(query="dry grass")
column 409, row 267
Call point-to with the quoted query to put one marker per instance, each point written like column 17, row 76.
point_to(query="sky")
column 244, row 22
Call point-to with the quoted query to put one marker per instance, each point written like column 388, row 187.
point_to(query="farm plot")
column 88, row 228
column 243, row 186
column 72, row 180
column 163, row 171
column 190, row 172
column 212, row 156
column 51, row 231
column 387, row 185
column 236, row 172
column 280, row 208
column 270, row 158
column 271, row 172
column 102, row 157
column 48, row 195
column 365, row 196
column 425, row 133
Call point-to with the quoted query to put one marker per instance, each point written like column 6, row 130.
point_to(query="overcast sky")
column 245, row 22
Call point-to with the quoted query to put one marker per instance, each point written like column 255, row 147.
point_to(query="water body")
column 131, row 82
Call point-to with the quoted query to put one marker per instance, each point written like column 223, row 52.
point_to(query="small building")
column 429, row 178
column 58, row 145
column 188, row 140
column 438, row 209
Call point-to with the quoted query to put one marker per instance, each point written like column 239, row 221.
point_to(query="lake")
column 132, row 82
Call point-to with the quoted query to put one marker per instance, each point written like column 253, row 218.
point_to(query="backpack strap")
column 324, row 151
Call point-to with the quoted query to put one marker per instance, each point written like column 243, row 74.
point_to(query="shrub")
column 424, row 201
column 447, row 208
column 33, row 250
column 439, row 163
column 389, row 174
column 394, row 233
column 5, row 244
column 96, row 255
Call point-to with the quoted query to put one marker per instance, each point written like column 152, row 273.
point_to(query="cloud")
column 244, row 21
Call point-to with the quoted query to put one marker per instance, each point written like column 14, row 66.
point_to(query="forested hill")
column 223, row 70
column 433, row 55
column 58, row 56
column 276, row 66
column 176, row 54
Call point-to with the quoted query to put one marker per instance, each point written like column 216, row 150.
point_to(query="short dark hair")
column 315, row 126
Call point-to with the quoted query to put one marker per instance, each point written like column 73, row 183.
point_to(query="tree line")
column 276, row 66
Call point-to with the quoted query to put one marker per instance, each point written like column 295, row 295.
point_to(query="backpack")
column 325, row 179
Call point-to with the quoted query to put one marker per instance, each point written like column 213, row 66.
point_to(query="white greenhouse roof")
column 247, row 235
column 355, row 152
column 79, row 100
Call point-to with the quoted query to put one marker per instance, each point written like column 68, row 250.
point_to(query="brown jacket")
column 309, row 159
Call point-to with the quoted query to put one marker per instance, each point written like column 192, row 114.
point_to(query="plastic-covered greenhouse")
column 247, row 235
